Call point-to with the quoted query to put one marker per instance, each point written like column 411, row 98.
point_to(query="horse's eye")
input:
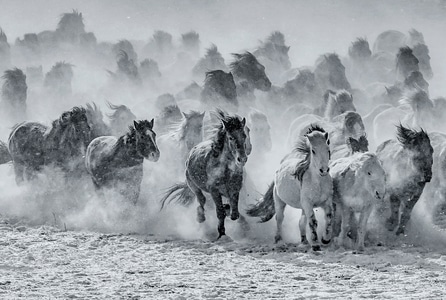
column 313, row 151
column 369, row 173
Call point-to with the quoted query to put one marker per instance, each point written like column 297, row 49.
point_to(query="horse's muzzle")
column 154, row 156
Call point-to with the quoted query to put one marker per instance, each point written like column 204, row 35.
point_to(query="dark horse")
column 14, row 92
column 33, row 145
column 215, row 166
column 219, row 90
column 407, row 162
column 118, row 162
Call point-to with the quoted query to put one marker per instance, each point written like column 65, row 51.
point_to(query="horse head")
column 406, row 62
column 96, row 121
column 145, row 139
column 360, row 50
column 246, row 67
column 233, row 128
column 357, row 145
column 339, row 103
column 120, row 118
column 330, row 72
column 418, row 143
column 74, row 129
column 14, row 89
column 222, row 84
column 260, row 130
column 369, row 174
column 421, row 51
column 317, row 147
column 192, row 128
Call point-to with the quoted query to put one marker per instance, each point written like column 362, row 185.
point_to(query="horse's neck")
column 125, row 154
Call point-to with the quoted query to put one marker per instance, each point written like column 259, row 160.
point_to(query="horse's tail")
column 265, row 208
column 179, row 192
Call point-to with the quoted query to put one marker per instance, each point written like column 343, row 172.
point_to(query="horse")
column 14, row 93
column 70, row 28
column 169, row 115
column 5, row 52
column 127, row 69
column 358, row 62
column 215, row 166
column 120, row 119
column 421, row 52
column 219, row 90
column 407, row 162
column 359, row 181
column 96, row 121
column 58, row 80
column 303, row 182
column 249, row 75
column 273, row 54
column 180, row 139
column 259, row 132
column 126, row 47
column 351, row 146
column 212, row 60
column 160, row 47
column 149, row 70
column 33, row 145
column 190, row 41
column 118, row 162
column 4, row 153
column 339, row 103
column 406, row 62
column 330, row 73
column 392, row 40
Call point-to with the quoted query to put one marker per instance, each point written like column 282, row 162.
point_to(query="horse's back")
column 26, row 141
column 99, row 149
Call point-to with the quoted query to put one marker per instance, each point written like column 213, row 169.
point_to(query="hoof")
column 227, row 209
column 390, row 225
column 277, row 239
column 200, row 215
column 325, row 242
column 303, row 240
column 235, row 215
column 316, row 248
column 400, row 231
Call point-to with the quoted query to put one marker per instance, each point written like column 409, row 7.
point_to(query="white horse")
column 302, row 181
column 358, row 182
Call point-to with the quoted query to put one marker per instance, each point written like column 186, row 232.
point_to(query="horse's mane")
column 416, row 36
column 303, row 148
column 418, row 99
column 351, row 118
column 130, row 136
column 170, row 111
column 407, row 136
column 359, row 47
column 329, row 58
column 276, row 37
column 125, row 46
column 61, row 68
column 3, row 37
column 420, row 49
column 219, row 81
column 405, row 51
column 67, row 17
column 190, row 37
column 212, row 51
column 242, row 59
column 13, row 76
column 302, row 78
column 160, row 36
column 333, row 101
column 218, row 130
column 117, row 109
column 70, row 116
column 178, row 129
column 94, row 110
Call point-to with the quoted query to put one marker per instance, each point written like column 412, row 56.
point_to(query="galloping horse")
column 215, row 166
column 408, row 165
column 33, row 145
column 302, row 181
column 118, row 162
column 13, row 96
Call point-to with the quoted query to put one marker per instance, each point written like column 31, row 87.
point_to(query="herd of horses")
column 352, row 146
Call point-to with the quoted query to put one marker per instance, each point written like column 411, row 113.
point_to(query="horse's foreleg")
column 407, row 210
column 362, row 230
column 19, row 171
column 303, row 228
column 221, row 215
column 312, row 224
column 328, row 223
column 392, row 221
column 200, row 198
column 345, row 227
column 280, row 209
column 233, row 201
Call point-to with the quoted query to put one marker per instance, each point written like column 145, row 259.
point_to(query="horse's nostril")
column 238, row 159
column 328, row 170
column 320, row 170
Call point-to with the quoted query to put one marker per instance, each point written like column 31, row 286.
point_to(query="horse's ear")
column 185, row 115
column 136, row 124
column 151, row 123
column 326, row 138
column 202, row 114
column 244, row 122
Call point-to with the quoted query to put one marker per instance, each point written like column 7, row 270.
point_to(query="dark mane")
column 241, row 60
column 71, row 116
column 190, row 37
column 407, row 136
column 277, row 38
column 212, row 51
column 13, row 77
column 360, row 49
column 219, row 82
column 405, row 51
column 218, row 130
column 117, row 109
column 3, row 37
column 179, row 129
column 66, row 19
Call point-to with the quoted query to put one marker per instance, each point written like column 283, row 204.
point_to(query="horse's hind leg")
column 280, row 209
column 392, row 221
column 221, row 215
column 407, row 210
column 303, row 228
column 200, row 198
column 328, row 223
